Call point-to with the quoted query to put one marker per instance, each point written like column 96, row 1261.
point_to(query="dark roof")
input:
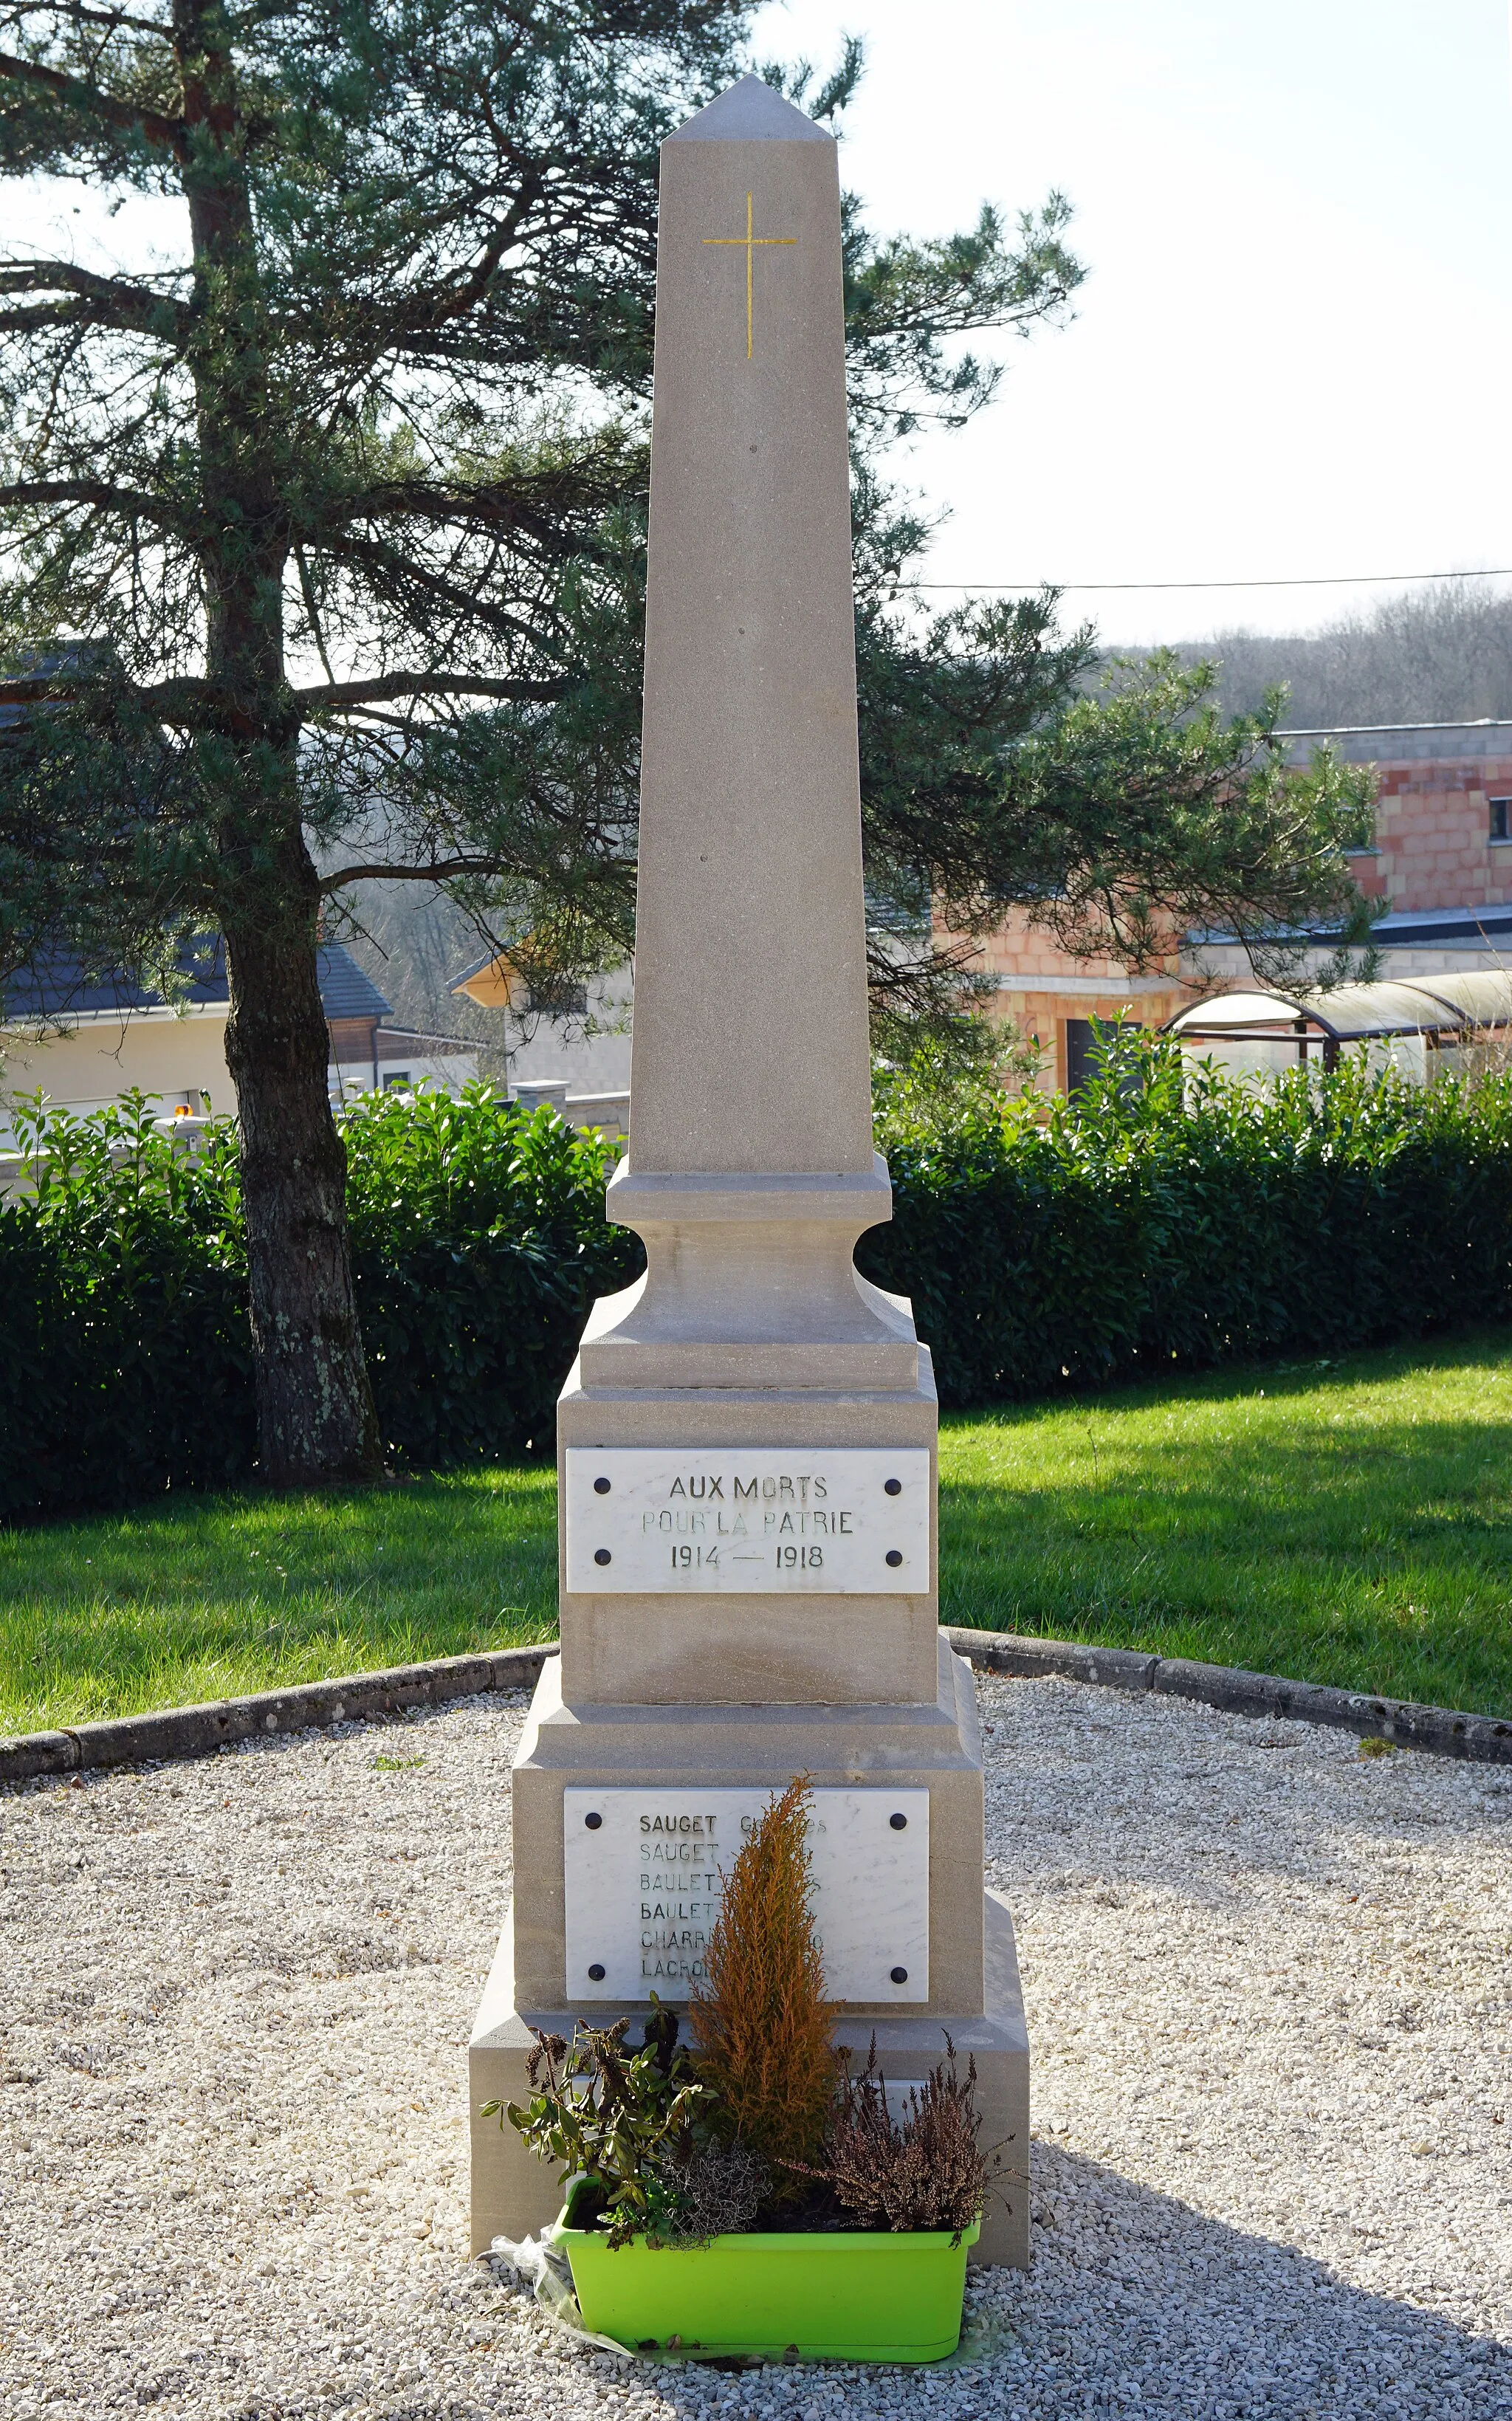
column 59, row 986
column 1405, row 928
column 1401, row 929
column 344, row 988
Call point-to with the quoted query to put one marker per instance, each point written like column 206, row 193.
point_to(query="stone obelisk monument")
column 747, row 1441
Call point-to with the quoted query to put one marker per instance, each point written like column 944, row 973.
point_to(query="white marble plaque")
column 644, row 1871
column 737, row 1520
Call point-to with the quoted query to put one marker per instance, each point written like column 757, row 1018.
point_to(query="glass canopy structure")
column 1400, row 1022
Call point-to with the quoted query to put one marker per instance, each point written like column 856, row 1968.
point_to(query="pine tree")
column 323, row 547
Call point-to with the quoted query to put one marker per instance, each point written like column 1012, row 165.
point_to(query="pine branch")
column 441, row 869
column 102, row 301
column 436, row 305
column 391, row 573
column 113, row 20
column 391, row 685
column 135, row 504
column 520, row 509
column 126, row 118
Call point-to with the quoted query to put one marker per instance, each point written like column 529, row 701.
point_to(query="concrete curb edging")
column 1440, row 1730
column 175, row 1732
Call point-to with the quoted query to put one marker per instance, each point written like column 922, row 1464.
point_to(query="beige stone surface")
column 750, row 1284
column 751, row 1172
column 794, row 1650
column 669, row 1652
column 935, row 1746
column 750, row 840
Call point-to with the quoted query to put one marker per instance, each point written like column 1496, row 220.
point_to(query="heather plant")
column 760, row 2022
column 682, row 2145
column 925, row 2171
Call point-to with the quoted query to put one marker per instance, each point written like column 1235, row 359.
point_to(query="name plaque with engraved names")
column 831, row 1519
column 644, row 1873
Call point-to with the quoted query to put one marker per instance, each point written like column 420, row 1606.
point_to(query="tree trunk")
column 314, row 1404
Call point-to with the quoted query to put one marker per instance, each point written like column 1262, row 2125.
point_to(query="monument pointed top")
column 749, row 111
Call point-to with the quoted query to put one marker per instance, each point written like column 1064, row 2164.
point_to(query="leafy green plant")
column 760, row 2023
column 478, row 1244
column 1168, row 1220
column 125, row 1362
column 478, row 1240
column 1172, row 1218
column 765, row 2111
column 611, row 2120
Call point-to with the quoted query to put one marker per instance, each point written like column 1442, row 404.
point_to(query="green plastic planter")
column 834, row 2298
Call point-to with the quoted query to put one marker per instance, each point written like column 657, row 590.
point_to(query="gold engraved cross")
column 747, row 243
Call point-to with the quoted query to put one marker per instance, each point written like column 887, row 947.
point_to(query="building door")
column 1079, row 1068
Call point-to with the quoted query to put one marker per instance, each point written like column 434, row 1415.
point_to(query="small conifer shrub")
column 760, row 2023
column 678, row 2147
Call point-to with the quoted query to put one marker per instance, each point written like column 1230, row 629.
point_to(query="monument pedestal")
column 677, row 1753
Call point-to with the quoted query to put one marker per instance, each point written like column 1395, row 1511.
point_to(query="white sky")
column 1293, row 354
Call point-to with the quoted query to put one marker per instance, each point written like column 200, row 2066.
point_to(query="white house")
column 84, row 1042
column 571, row 1048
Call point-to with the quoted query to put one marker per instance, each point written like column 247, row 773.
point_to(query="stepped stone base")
column 936, row 1746
column 514, row 2194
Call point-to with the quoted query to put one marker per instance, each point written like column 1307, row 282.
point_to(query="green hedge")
column 1173, row 1218
column 1166, row 1219
column 478, row 1243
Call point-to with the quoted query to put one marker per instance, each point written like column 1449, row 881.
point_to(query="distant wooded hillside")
column 414, row 942
column 1441, row 655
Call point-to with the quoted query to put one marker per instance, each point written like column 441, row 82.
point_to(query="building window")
column 395, row 1076
column 1501, row 819
column 1082, row 1068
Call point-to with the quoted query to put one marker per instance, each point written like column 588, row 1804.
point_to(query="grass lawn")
column 208, row 1596
column 1345, row 1521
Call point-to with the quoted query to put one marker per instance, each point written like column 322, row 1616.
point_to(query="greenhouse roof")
column 1357, row 1012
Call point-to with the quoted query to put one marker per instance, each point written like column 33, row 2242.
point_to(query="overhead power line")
column 1310, row 580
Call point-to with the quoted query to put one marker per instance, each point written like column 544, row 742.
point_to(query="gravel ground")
column 1269, row 2002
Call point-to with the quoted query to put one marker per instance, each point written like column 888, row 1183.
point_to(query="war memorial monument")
column 746, row 1443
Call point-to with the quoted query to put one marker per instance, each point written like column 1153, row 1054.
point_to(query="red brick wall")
column 1432, row 826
